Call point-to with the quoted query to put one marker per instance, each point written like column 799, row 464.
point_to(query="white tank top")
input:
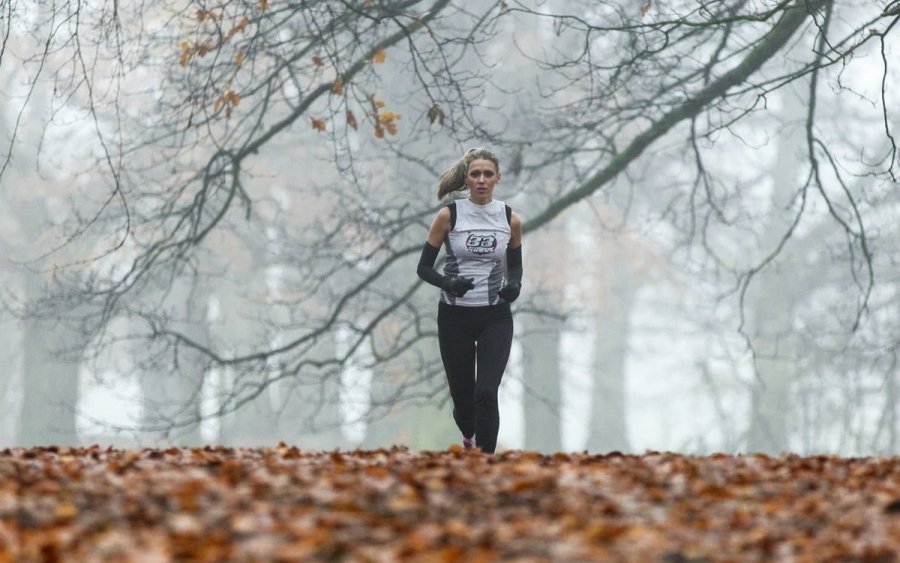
column 476, row 246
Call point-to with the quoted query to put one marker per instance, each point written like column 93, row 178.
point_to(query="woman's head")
column 454, row 178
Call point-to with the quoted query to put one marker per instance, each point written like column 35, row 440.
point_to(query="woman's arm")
column 515, row 228
column 510, row 292
column 440, row 227
column 455, row 285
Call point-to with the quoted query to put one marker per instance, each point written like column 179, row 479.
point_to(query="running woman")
column 475, row 325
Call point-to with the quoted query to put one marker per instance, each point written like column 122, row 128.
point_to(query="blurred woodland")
column 211, row 213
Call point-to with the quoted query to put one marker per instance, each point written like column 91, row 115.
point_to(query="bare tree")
column 625, row 86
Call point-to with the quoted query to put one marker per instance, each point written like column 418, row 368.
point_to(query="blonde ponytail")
column 453, row 179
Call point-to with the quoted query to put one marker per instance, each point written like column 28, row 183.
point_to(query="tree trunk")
column 398, row 422
column 51, row 357
column 11, row 346
column 52, row 349
column 541, row 337
column 176, row 396
column 308, row 406
column 892, row 399
column 252, row 423
column 772, row 299
column 775, row 369
column 608, row 427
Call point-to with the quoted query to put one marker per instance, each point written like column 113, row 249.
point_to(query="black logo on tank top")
column 481, row 243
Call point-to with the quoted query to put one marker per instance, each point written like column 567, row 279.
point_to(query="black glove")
column 510, row 292
column 457, row 286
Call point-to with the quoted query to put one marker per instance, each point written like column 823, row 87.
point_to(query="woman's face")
column 481, row 178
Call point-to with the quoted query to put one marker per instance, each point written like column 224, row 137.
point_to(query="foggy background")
column 211, row 217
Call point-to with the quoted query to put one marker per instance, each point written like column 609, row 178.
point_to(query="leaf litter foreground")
column 285, row 504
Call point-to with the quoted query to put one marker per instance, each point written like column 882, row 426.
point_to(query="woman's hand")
column 457, row 285
column 510, row 292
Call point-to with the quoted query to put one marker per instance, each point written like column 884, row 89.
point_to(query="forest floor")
column 285, row 504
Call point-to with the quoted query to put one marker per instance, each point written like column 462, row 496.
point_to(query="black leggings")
column 475, row 340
